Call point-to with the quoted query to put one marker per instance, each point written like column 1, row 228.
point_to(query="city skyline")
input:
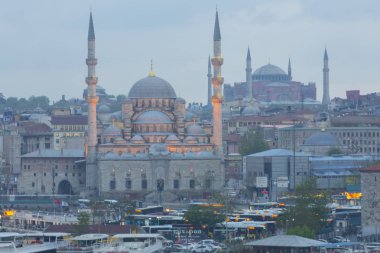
column 44, row 45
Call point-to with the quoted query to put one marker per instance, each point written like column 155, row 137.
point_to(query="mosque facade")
column 152, row 149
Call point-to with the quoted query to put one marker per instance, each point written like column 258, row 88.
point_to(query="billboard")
column 261, row 182
column 282, row 182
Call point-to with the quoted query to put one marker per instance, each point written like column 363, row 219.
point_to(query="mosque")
column 270, row 84
column 153, row 150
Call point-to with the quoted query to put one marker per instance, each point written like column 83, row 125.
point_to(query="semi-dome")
column 322, row 139
column 270, row 72
column 195, row 130
column 153, row 117
column 112, row 130
column 152, row 87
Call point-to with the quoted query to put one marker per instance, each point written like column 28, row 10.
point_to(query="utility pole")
column 294, row 154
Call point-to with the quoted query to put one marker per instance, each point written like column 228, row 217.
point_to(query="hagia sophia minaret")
column 326, row 82
column 209, row 93
column 290, row 69
column 217, row 82
column 92, row 100
column 248, row 74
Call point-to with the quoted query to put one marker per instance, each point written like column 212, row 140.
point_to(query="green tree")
column 39, row 101
column 83, row 218
column 302, row 231
column 98, row 209
column 334, row 151
column 204, row 215
column 309, row 214
column 253, row 142
column 121, row 98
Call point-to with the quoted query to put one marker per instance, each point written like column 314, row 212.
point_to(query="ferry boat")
column 31, row 242
column 133, row 243
column 85, row 243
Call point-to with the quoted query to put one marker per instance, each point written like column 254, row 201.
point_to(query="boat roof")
column 8, row 234
column 89, row 237
column 56, row 234
column 136, row 236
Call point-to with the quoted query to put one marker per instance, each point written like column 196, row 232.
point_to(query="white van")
column 110, row 201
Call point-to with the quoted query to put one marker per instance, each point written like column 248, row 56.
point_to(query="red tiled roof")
column 374, row 168
column 69, row 120
column 32, row 128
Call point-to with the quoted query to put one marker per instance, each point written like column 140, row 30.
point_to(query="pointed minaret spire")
column 92, row 100
column 209, row 86
column 91, row 32
column 289, row 70
column 248, row 74
column 326, row 81
column 217, row 82
column 217, row 36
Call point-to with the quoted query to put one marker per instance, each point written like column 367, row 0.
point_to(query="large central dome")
column 270, row 72
column 152, row 87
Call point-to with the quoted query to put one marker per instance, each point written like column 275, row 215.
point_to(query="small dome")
column 322, row 139
column 152, row 87
column 195, row 130
column 119, row 140
column 190, row 140
column 112, row 130
column 137, row 139
column 172, row 139
column 103, row 108
column 153, row 117
column 158, row 149
column 251, row 110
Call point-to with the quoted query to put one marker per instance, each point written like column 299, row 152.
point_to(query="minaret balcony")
column 217, row 81
column 91, row 80
column 91, row 61
column 217, row 61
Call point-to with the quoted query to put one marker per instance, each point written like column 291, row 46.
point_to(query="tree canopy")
column 83, row 218
column 253, row 142
column 207, row 215
column 309, row 214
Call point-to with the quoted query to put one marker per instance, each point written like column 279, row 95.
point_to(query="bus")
column 150, row 210
column 33, row 201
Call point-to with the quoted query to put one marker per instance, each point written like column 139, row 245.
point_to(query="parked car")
column 340, row 239
column 202, row 249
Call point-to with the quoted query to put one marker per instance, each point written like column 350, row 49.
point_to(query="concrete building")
column 339, row 172
column 275, row 170
column 52, row 172
column 364, row 140
column 370, row 200
column 69, row 131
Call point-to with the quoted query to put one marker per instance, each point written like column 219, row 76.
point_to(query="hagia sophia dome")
column 270, row 72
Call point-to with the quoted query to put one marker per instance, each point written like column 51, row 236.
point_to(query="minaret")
column 248, row 75
column 326, row 82
column 217, row 82
column 209, row 94
column 289, row 70
column 92, row 100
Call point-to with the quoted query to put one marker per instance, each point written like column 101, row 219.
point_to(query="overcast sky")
column 43, row 44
